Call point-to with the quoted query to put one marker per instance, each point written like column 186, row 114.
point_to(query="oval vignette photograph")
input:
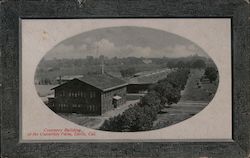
column 126, row 79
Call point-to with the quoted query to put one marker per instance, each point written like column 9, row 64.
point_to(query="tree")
column 171, row 64
column 211, row 73
column 180, row 64
column 128, row 72
column 167, row 93
column 177, row 78
column 90, row 60
column 199, row 64
column 152, row 102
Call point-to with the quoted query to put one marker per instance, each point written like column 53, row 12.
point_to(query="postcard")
column 126, row 80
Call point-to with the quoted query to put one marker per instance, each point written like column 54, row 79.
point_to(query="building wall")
column 138, row 88
column 76, row 97
column 107, row 98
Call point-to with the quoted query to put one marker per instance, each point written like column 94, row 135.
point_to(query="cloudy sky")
column 124, row 42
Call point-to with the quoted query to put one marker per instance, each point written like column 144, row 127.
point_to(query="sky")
column 125, row 41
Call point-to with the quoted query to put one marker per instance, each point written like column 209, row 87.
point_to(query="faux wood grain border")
column 12, row 11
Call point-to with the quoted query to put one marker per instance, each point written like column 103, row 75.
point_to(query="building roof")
column 117, row 97
column 104, row 82
column 149, row 77
column 67, row 78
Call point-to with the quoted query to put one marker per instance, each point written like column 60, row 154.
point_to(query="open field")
column 178, row 112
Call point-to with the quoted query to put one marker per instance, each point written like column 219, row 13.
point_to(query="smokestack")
column 102, row 67
column 60, row 79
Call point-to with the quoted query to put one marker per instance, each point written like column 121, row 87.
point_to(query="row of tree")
column 57, row 64
column 141, row 116
column 195, row 64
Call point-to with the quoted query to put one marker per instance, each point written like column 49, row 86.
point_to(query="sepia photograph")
column 126, row 79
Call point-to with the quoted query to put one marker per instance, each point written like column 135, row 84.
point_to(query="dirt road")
column 194, row 98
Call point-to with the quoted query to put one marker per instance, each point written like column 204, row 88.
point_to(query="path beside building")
column 120, row 109
column 96, row 122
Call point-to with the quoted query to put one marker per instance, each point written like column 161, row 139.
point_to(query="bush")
column 137, row 118
column 152, row 100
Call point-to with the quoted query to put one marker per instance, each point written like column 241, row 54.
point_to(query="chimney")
column 102, row 67
column 60, row 79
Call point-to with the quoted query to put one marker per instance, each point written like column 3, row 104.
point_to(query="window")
column 92, row 108
column 92, row 94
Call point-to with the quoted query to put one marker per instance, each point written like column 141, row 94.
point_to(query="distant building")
column 91, row 95
column 141, row 81
column 140, row 88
